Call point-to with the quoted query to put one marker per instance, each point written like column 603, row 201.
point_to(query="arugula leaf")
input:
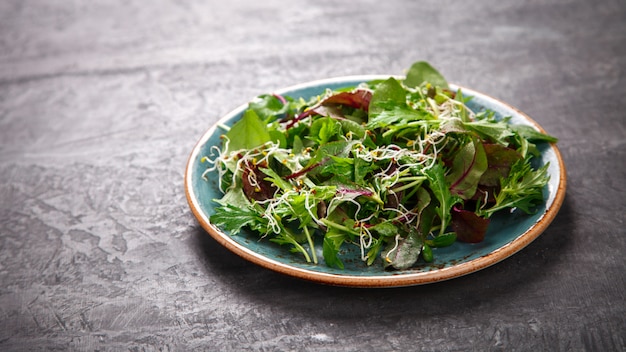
column 333, row 240
column 247, row 133
column 276, row 179
column 285, row 237
column 353, row 129
column 422, row 72
column 439, row 187
column 362, row 169
column 531, row 134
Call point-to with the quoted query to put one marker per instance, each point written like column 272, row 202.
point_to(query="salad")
column 396, row 167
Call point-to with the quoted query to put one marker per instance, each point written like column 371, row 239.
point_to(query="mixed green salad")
column 395, row 167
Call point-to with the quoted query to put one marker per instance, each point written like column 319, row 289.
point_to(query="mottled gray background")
column 101, row 103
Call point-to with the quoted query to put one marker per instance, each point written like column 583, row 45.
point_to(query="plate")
column 508, row 232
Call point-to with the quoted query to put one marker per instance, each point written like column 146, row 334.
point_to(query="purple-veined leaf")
column 499, row 161
column 468, row 166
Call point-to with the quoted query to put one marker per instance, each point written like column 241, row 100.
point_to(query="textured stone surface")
column 102, row 101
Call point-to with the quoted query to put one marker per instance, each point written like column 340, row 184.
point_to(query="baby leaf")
column 387, row 91
column 403, row 254
column 422, row 72
column 468, row 165
column 268, row 107
column 341, row 168
column 324, row 129
column 247, row 133
column 468, row 226
column 495, row 131
column 439, row 187
column 358, row 98
column 444, row 240
column 385, row 229
column 531, row 134
column 499, row 161
column 392, row 113
column 333, row 240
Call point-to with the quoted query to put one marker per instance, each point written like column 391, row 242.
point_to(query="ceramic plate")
column 508, row 232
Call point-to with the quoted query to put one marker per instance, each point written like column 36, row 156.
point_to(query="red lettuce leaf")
column 499, row 161
column 469, row 227
column 358, row 99
column 260, row 191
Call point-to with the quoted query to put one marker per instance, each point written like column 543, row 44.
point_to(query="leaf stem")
column 310, row 240
column 339, row 227
column 417, row 181
column 298, row 246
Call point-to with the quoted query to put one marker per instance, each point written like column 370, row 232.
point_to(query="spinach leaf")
column 247, row 133
column 422, row 72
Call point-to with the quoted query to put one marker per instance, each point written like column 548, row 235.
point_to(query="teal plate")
column 508, row 232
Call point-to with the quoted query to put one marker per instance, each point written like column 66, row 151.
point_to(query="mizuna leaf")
column 234, row 218
column 522, row 189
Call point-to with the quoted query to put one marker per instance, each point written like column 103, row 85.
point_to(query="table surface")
column 101, row 103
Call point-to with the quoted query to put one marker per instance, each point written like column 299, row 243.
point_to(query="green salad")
column 395, row 167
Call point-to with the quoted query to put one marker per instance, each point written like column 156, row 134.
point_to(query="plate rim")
column 400, row 280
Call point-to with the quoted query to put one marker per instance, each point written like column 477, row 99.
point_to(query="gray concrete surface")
column 101, row 103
